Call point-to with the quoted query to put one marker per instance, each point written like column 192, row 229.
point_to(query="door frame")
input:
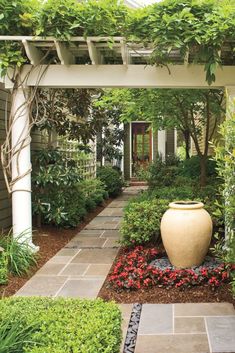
column 131, row 142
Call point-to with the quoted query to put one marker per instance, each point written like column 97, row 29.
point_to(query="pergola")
column 94, row 62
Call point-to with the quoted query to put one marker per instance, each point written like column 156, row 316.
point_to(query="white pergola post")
column 21, row 167
column 161, row 143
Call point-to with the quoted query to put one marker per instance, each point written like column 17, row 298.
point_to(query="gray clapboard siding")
column 5, row 201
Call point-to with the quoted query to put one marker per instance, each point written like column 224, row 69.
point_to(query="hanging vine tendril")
column 30, row 105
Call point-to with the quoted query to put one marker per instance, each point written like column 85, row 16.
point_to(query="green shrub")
column 60, row 197
column 19, row 255
column 162, row 173
column 174, row 193
column 66, row 325
column 191, row 168
column 112, row 180
column 3, row 266
column 141, row 222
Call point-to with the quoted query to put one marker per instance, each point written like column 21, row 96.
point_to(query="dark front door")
column 141, row 146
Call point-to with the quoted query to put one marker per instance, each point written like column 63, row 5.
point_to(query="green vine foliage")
column 225, row 158
column 195, row 27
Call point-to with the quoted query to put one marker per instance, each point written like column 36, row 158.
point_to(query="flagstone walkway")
column 80, row 269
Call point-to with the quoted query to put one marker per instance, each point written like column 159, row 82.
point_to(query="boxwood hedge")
column 65, row 325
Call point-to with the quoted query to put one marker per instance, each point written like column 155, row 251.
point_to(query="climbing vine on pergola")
column 174, row 31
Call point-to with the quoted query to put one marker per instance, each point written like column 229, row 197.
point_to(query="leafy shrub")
column 54, row 180
column 141, row 222
column 191, row 168
column 19, row 255
column 162, row 173
column 66, row 325
column 3, row 266
column 174, row 193
column 112, row 180
column 60, row 197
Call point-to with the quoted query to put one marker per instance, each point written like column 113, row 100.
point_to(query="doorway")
column 141, row 146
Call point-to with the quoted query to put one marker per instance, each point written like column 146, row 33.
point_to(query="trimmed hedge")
column 65, row 325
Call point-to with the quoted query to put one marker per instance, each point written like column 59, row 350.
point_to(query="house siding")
column 5, row 200
column 170, row 142
column 127, row 160
column 202, row 139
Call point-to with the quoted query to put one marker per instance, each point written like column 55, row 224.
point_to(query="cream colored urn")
column 186, row 230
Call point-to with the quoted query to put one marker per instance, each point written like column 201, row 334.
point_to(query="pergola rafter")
column 93, row 62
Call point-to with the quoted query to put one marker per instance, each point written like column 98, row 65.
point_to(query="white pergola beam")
column 93, row 53
column 65, row 56
column 34, row 54
column 51, row 39
column 130, row 76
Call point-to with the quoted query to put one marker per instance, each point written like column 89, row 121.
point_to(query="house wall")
column 216, row 136
column 170, row 142
column 5, row 200
column 127, row 151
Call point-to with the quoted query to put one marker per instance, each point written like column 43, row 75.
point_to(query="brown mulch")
column 159, row 295
column 50, row 240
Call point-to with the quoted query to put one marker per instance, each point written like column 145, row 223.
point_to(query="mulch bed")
column 196, row 294
column 50, row 240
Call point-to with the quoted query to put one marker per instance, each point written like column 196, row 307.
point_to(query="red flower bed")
column 133, row 271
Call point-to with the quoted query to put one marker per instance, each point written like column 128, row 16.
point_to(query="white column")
column 21, row 166
column 161, row 143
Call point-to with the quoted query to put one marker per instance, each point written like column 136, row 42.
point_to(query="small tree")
column 196, row 113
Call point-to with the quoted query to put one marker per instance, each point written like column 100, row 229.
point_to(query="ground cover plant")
column 60, row 325
column 133, row 271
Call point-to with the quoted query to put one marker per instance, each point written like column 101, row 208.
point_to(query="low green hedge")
column 141, row 221
column 63, row 325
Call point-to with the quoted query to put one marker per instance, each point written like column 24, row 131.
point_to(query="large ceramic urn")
column 186, row 230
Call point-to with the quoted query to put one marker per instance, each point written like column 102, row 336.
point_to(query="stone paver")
column 126, row 310
column 189, row 325
column 156, row 319
column 204, row 309
column 112, row 212
column 84, row 242
column 81, row 288
column 98, row 270
column 95, row 256
column 42, row 286
column 221, row 333
column 111, row 234
column 172, row 344
column 74, row 270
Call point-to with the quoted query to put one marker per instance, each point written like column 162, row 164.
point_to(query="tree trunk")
column 203, row 174
column 186, row 134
